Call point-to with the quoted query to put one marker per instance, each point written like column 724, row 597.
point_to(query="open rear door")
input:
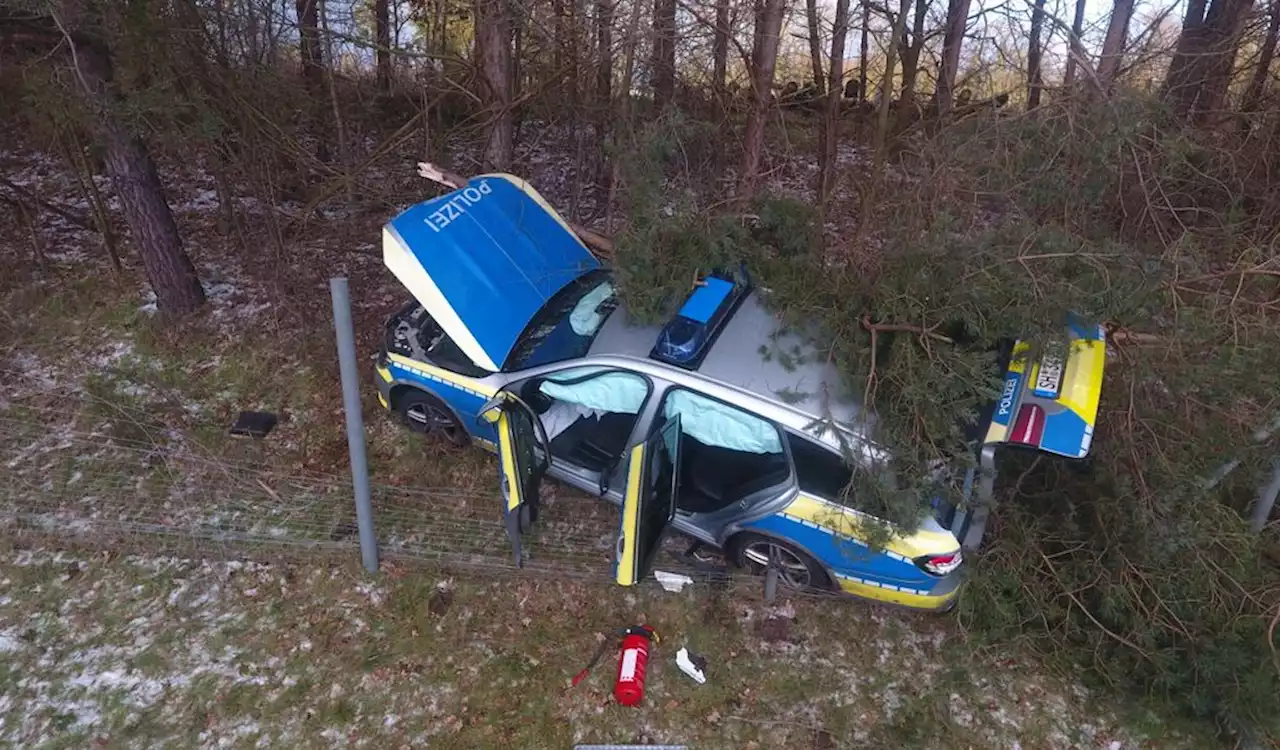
column 522, row 462
column 649, row 502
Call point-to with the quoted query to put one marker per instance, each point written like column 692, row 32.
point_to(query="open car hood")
column 483, row 260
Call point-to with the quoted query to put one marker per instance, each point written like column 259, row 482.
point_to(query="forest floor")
column 116, row 649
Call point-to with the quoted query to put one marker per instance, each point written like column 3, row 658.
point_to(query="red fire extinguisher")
column 633, row 661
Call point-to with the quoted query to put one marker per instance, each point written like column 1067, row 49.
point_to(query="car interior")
column 726, row 455
column 588, row 415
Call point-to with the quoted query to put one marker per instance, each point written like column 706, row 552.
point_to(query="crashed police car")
column 516, row 340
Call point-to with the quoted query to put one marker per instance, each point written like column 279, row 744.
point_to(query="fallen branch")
column 23, row 194
column 600, row 245
column 875, row 328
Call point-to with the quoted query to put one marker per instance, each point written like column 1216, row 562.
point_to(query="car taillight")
column 940, row 565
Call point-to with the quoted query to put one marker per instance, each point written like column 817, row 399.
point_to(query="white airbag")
column 712, row 423
column 617, row 392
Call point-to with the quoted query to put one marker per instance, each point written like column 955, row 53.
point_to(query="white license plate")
column 1049, row 376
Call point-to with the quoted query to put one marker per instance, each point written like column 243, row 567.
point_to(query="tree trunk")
column 952, row 40
column 911, row 66
column 1201, row 67
column 864, row 48
column 1034, row 82
column 1113, row 44
column 720, row 50
column 382, row 20
column 313, row 69
column 559, row 43
column 1075, row 46
column 1187, row 46
column 604, row 68
column 169, row 269
column 629, row 61
column 493, row 40
column 831, row 122
column 764, row 57
column 886, row 86
column 815, row 43
column 664, row 53
column 1258, row 83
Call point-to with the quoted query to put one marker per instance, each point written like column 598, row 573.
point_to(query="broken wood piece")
column 599, row 244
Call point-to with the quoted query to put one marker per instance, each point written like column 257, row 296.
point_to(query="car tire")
column 798, row 570
column 427, row 415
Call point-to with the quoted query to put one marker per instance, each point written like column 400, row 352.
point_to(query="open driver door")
column 523, row 459
column 648, row 502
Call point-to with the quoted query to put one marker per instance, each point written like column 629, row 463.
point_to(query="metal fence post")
column 355, row 422
column 1266, row 500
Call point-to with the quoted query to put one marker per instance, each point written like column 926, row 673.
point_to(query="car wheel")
column 427, row 415
column 796, row 569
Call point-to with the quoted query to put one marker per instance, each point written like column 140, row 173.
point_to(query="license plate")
column 1049, row 376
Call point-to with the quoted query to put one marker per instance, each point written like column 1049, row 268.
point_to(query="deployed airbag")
column 712, row 423
column 616, row 392
column 586, row 317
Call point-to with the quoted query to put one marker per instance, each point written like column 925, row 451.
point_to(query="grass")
column 176, row 653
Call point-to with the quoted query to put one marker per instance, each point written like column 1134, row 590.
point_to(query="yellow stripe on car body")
column 626, row 571
column 850, row 524
column 444, row 376
column 508, row 454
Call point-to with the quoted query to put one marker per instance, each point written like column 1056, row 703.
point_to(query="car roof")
column 754, row 354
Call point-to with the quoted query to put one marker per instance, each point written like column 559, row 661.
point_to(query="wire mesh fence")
column 124, row 481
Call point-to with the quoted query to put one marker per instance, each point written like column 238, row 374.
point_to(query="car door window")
column 820, row 471
column 727, row 454
column 588, row 413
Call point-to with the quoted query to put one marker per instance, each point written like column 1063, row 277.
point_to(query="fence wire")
column 84, row 481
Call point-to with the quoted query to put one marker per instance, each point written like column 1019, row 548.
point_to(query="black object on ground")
column 254, row 424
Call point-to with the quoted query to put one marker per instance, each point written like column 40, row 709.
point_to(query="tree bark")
column 560, row 43
column 1113, row 44
column 886, row 86
column 313, row 69
column 835, row 86
column 864, row 48
column 1186, row 47
column 1200, row 71
column 815, row 42
column 764, row 58
column 1034, row 81
column 168, row 268
column 629, row 61
column 911, row 66
column 952, row 40
column 1075, row 45
column 664, row 53
column 1252, row 100
column 493, row 49
column 604, row 68
column 720, row 50
column 382, row 22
